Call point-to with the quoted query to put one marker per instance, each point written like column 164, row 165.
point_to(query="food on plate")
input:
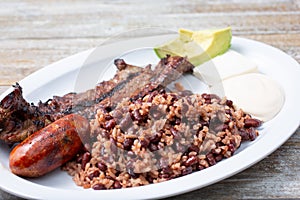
column 198, row 46
column 129, row 81
column 50, row 147
column 224, row 66
column 158, row 137
column 138, row 132
column 256, row 93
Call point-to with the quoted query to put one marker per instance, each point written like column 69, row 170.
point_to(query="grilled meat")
column 50, row 147
column 19, row 119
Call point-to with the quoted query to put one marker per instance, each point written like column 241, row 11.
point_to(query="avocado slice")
column 197, row 46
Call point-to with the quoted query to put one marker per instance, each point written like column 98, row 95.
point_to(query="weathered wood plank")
column 81, row 20
column 71, row 27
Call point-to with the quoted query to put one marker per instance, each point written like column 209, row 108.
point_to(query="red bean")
column 110, row 124
column 117, row 185
column 102, row 166
column 221, row 127
column 162, row 91
column 108, row 117
column 85, row 159
column 144, row 142
column 194, row 148
column 99, row 186
column 203, row 123
column 229, row 103
column 210, row 158
column 231, row 148
column 191, row 161
column 174, row 97
column 187, row 170
column 248, row 134
column 252, row 134
column 137, row 116
column 207, row 101
column 164, row 176
column 207, row 98
column 155, row 138
column 200, row 167
column 218, row 158
column 252, row 123
column 128, row 142
column 94, row 174
column 244, row 135
column 149, row 179
column 228, row 111
column 167, row 170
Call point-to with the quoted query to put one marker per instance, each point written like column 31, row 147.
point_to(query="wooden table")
column 34, row 34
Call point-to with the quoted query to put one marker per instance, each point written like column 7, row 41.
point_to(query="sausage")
column 50, row 147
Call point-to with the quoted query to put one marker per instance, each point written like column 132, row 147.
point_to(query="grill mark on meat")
column 108, row 94
column 115, row 89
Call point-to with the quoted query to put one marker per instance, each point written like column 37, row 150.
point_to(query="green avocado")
column 197, row 46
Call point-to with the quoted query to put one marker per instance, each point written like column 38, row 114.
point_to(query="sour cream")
column 256, row 94
column 224, row 66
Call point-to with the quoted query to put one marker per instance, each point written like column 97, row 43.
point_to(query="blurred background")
column 34, row 34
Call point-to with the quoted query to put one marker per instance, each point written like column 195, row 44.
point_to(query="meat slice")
column 78, row 102
column 19, row 119
column 167, row 70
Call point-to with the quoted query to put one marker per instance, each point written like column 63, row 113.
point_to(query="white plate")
column 62, row 77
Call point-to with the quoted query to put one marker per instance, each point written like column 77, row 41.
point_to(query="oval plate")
column 60, row 78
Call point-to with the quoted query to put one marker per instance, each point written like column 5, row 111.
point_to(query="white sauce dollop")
column 256, row 94
column 224, row 66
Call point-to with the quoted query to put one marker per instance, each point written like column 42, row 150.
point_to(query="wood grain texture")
column 34, row 34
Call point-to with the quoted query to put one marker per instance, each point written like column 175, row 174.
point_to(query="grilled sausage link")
column 50, row 147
